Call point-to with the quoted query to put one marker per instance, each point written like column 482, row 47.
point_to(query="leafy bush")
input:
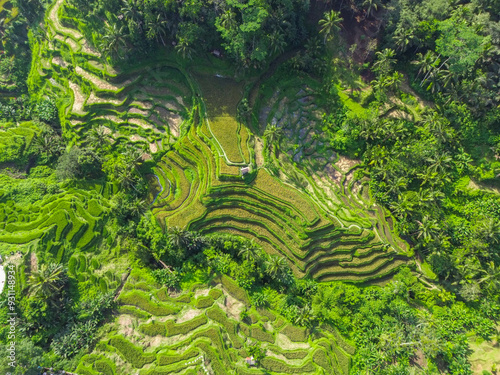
column 46, row 111
column 170, row 279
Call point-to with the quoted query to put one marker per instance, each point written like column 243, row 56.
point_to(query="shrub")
column 131, row 353
column 168, row 278
column 204, row 302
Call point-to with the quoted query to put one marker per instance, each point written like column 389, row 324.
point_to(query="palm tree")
column 428, row 229
column 490, row 231
column 330, row 24
column 227, row 20
column 47, row 282
column 440, row 163
column 277, row 42
column 492, row 277
column 127, row 178
column 425, row 62
column 184, row 48
column 403, row 38
column 370, row 6
column 276, row 266
column 138, row 207
column 157, row 29
column 385, row 61
column 113, row 41
column 98, row 137
column 178, row 237
column 273, row 135
column 402, row 207
column 131, row 11
column 250, row 253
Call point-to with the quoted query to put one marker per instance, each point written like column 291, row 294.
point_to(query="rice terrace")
column 249, row 187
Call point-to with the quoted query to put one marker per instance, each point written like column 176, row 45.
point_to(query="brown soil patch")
column 188, row 315
column 125, row 325
column 135, row 138
column 233, row 307
column 345, row 164
column 153, row 147
column 138, row 111
column 79, row 97
column 93, row 99
column 259, row 150
column 100, row 83
column 284, row 342
column 59, row 61
column 33, row 262
column 334, row 174
column 173, row 119
column 143, row 124
column 201, row 292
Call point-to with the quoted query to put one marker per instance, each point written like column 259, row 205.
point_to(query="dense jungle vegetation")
column 364, row 239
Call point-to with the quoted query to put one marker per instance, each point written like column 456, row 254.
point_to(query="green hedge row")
column 166, row 359
column 139, row 300
column 131, row 353
column 153, row 329
column 275, row 365
column 216, row 314
column 131, row 310
column 294, row 333
column 203, row 302
column 261, row 335
column 215, row 293
column 173, row 329
column 234, row 290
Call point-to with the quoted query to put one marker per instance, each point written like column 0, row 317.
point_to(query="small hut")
column 250, row 361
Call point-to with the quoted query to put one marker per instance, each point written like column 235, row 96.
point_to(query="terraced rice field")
column 329, row 229
column 146, row 106
column 74, row 218
column 200, row 331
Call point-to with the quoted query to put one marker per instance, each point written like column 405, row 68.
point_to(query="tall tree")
column 330, row 25
column 47, row 281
